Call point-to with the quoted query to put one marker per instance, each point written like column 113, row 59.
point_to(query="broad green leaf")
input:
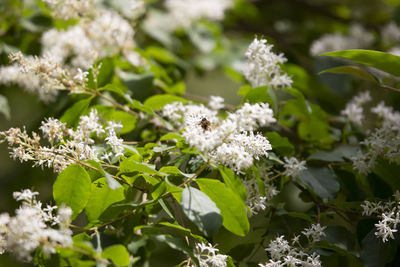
column 117, row 90
column 233, row 210
column 101, row 197
column 131, row 165
column 339, row 154
column 174, row 171
column 159, row 101
column 141, row 85
column 374, row 252
column 4, row 107
column 112, row 183
column 352, row 70
column 280, row 144
column 106, row 72
column 72, row 114
column 117, row 253
column 315, row 130
column 389, row 172
column 175, row 243
column 178, row 89
column 323, row 181
column 201, row 210
column 72, row 188
column 380, row 60
column 161, row 54
column 258, row 94
column 171, row 136
column 233, row 182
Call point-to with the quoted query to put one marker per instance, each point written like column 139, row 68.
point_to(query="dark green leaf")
column 323, row 181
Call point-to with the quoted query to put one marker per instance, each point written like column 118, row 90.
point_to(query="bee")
column 205, row 124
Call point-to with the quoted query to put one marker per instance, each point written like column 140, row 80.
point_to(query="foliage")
column 300, row 168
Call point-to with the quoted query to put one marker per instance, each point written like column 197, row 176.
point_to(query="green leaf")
column 131, row 165
column 174, row 171
column 159, row 101
column 101, row 197
column 258, row 94
column 352, row 70
column 174, row 243
column 117, row 253
column 4, row 107
column 233, row 182
column 201, row 210
column 179, row 89
column 106, row 72
column 233, row 210
column 339, row 154
column 71, row 115
column 380, row 60
column 315, row 130
column 280, row 144
column 374, row 252
column 323, row 181
column 141, row 85
column 389, row 172
column 72, row 188
column 162, row 55
column 117, row 90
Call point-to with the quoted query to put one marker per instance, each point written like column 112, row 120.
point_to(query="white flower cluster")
column 31, row 227
column 183, row 13
column 388, row 213
column 70, row 9
column 42, row 75
column 357, row 38
column 294, row 167
column 67, row 146
column 314, row 233
column 231, row 141
column 284, row 254
column 383, row 141
column 255, row 201
column 390, row 34
column 216, row 102
column 208, row 257
column 263, row 66
column 354, row 111
column 105, row 35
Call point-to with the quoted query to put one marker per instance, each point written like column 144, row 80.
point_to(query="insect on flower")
column 205, row 124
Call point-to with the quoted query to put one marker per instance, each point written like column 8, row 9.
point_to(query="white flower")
column 183, row 13
column 27, row 230
column 263, row 66
column 294, row 167
column 390, row 33
column 354, row 110
column 25, row 195
column 216, row 102
column 357, row 37
column 315, row 232
column 81, row 75
column 231, row 141
column 53, row 129
column 208, row 257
